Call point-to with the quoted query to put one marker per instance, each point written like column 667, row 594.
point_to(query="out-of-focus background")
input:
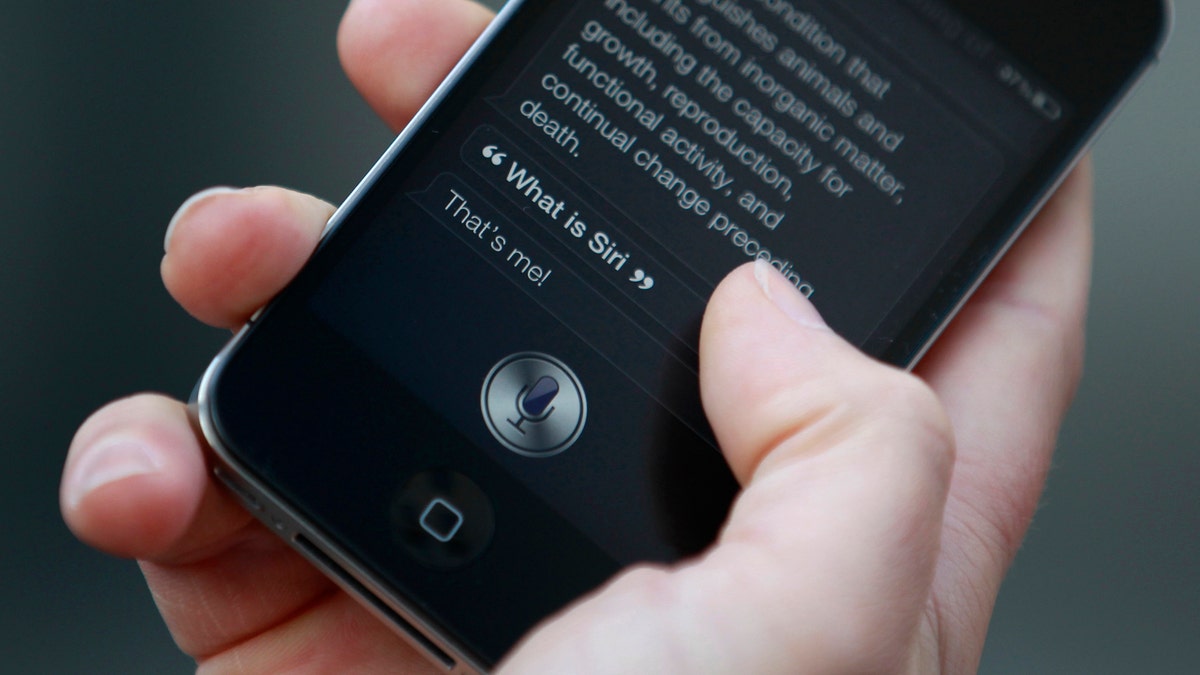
column 112, row 113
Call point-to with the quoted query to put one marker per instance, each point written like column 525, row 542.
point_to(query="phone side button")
column 442, row 519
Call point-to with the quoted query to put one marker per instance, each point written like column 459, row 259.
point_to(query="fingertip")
column 229, row 252
column 396, row 52
column 787, row 296
column 133, row 478
column 114, row 517
column 186, row 207
column 758, row 291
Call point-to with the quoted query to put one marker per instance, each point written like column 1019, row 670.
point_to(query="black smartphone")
column 479, row 399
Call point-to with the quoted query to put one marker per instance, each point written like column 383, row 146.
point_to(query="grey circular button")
column 533, row 404
column 442, row 519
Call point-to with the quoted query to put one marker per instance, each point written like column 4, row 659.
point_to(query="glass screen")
column 608, row 163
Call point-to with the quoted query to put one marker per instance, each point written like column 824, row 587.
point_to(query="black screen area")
column 538, row 254
column 587, row 190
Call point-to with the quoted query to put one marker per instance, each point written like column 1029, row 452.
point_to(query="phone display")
column 482, row 390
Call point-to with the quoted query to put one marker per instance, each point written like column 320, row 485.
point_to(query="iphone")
column 479, row 400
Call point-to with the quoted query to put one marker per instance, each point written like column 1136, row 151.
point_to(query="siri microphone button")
column 533, row 404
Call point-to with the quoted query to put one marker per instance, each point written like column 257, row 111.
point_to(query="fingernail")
column 111, row 461
column 183, row 209
column 786, row 296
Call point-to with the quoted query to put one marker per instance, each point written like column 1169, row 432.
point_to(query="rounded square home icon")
column 441, row 520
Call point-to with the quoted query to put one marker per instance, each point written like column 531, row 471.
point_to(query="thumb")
column 826, row 561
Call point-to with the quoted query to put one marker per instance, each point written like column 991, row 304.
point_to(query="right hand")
column 237, row 598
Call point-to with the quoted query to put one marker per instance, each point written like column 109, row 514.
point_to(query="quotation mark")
column 643, row 280
column 493, row 153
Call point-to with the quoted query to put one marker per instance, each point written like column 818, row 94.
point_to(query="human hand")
column 859, row 543
column 863, row 541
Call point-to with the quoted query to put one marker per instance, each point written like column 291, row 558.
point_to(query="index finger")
column 397, row 51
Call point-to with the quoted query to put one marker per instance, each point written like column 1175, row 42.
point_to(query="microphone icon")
column 533, row 402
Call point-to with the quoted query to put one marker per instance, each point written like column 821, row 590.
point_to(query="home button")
column 442, row 519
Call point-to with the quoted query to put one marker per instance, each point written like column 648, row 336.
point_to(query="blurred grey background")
column 112, row 113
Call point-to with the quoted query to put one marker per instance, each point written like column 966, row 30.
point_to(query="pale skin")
column 880, row 509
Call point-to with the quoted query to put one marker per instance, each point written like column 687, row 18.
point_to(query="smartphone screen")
column 485, row 382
